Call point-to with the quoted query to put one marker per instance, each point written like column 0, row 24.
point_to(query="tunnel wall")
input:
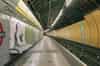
column 17, row 36
column 86, row 31
column 4, row 40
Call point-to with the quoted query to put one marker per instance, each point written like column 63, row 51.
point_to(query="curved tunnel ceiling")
column 75, row 12
column 47, row 10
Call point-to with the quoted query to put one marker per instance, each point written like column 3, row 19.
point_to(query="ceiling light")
column 68, row 2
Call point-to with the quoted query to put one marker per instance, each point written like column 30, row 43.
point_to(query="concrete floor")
column 45, row 53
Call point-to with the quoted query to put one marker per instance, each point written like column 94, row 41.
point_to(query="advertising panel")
column 2, row 34
column 16, row 33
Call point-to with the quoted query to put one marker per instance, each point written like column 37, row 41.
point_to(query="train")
column 86, row 31
column 16, row 37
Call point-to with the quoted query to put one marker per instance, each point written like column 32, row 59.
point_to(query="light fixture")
column 67, row 2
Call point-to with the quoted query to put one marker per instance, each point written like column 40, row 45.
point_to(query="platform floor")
column 45, row 53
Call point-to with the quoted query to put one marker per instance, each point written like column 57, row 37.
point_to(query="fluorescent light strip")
column 57, row 18
column 23, row 10
column 68, row 2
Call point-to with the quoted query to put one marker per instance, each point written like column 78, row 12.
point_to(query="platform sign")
column 2, row 34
